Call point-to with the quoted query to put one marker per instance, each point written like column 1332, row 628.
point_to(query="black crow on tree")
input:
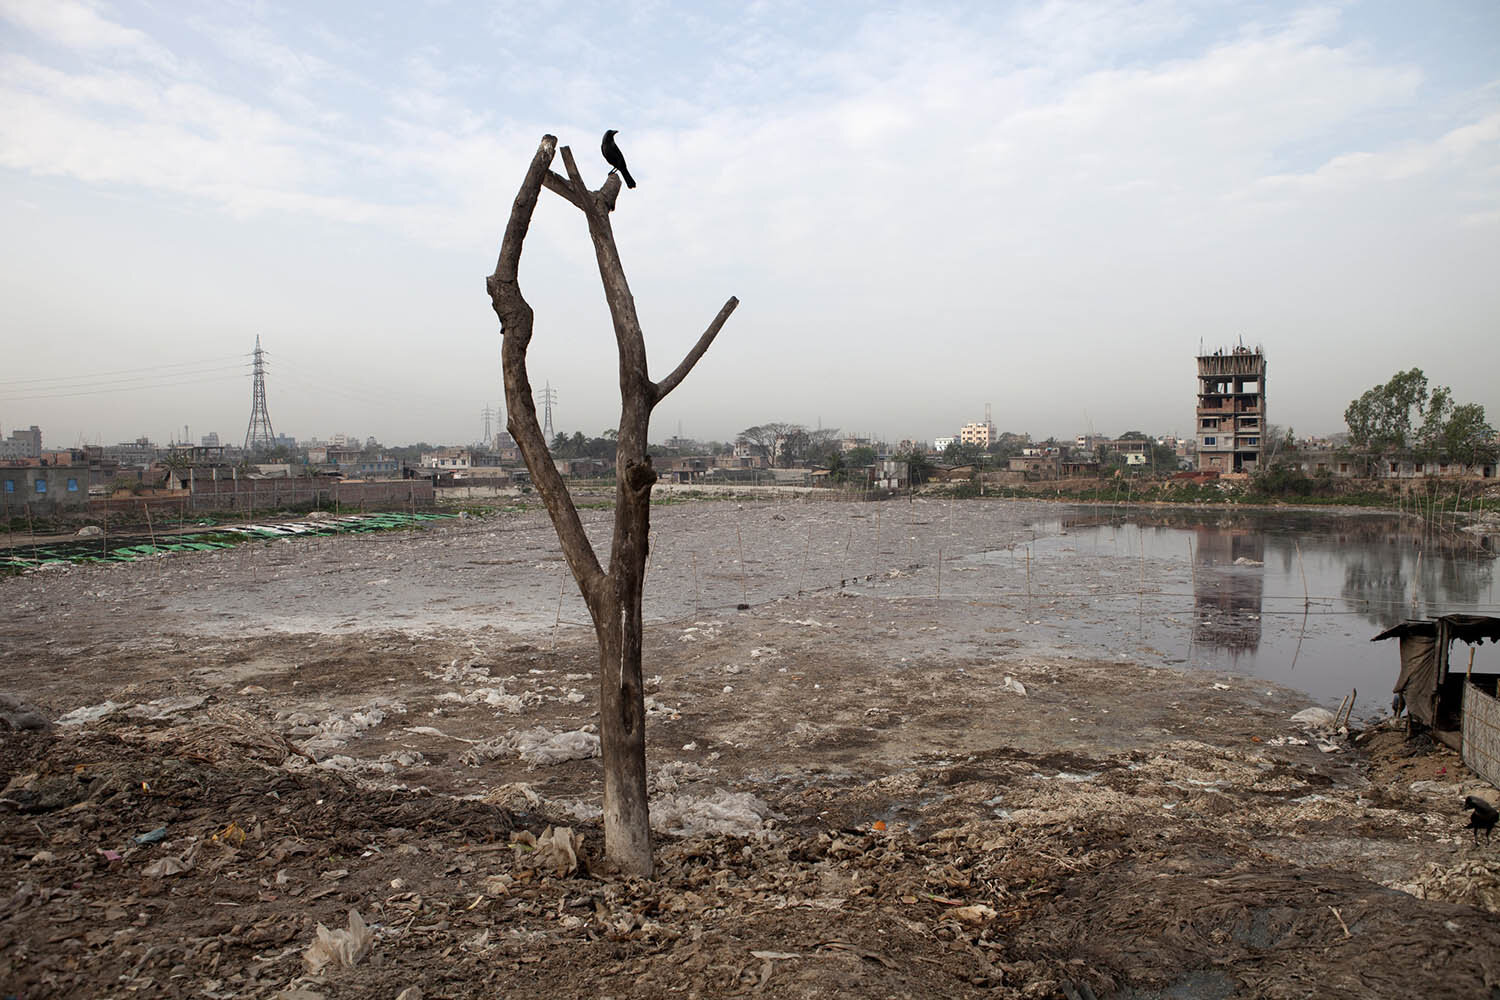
column 615, row 158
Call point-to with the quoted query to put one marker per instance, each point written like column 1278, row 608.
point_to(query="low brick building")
column 43, row 489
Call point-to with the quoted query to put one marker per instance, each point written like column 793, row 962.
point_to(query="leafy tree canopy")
column 1384, row 418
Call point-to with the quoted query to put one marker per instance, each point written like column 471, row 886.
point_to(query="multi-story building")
column 1231, row 410
column 22, row 444
column 980, row 434
column 139, row 453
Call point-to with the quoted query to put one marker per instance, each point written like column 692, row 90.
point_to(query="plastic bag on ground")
column 557, row 848
column 340, row 949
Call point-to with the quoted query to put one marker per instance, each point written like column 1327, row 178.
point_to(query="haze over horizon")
column 1047, row 207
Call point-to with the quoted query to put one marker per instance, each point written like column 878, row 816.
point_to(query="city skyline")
column 1050, row 208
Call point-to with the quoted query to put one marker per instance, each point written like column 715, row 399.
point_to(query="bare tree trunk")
column 613, row 597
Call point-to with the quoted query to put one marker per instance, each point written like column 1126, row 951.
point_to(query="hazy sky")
column 1047, row 207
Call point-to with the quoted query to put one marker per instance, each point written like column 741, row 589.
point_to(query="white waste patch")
column 537, row 747
column 165, row 709
column 340, row 949
column 718, row 812
column 670, row 776
column 90, row 713
column 320, row 737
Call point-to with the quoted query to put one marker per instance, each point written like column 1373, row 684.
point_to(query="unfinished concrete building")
column 1231, row 410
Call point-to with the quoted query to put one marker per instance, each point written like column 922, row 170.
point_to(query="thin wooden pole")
column 1416, row 583
column 1306, row 598
column 848, row 544
column 31, row 533
column 557, row 622
column 1028, row 581
column 806, row 551
column 744, row 583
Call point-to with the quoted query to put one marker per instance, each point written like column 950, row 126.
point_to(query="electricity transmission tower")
column 549, row 397
column 259, row 436
column 488, row 415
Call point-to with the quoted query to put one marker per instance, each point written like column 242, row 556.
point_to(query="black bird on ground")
column 615, row 158
column 1484, row 817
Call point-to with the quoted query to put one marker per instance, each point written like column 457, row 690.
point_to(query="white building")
column 447, row 459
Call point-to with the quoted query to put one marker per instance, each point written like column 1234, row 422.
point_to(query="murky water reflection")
column 1289, row 597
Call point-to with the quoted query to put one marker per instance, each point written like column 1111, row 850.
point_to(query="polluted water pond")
column 1290, row 598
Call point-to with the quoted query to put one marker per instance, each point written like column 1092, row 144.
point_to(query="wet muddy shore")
column 886, row 778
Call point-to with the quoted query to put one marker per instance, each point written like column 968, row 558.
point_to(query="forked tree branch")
column 558, row 184
column 679, row 373
column 516, row 319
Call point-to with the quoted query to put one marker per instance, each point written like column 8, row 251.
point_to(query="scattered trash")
column 91, row 713
column 670, row 776
column 19, row 716
column 719, row 812
column 557, row 848
column 162, row 867
column 975, row 914
column 152, row 836
column 1314, row 718
column 541, row 746
column 340, row 949
column 166, row 709
column 1011, row 684
column 1476, row 883
column 89, row 531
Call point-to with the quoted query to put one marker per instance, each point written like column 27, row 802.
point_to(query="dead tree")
column 613, row 597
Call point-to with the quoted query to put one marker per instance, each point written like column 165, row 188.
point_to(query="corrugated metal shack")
column 1457, row 703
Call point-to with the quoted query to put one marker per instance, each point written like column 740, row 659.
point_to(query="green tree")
column 1381, row 419
column 1007, row 444
column 918, row 466
column 1163, row 459
column 1464, row 435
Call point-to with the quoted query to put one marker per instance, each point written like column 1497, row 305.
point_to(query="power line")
column 62, row 381
column 134, row 387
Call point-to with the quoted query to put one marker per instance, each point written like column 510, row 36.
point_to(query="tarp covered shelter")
column 1434, row 697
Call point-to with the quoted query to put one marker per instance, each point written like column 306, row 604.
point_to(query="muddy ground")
column 860, row 787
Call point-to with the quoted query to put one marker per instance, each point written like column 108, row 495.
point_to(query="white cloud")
column 78, row 25
column 1061, row 173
